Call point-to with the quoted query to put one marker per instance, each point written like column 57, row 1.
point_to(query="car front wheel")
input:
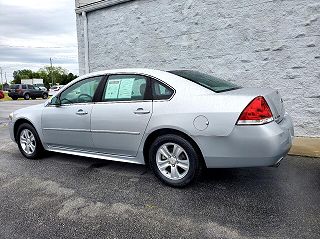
column 174, row 160
column 29, row 142
column 45, row 96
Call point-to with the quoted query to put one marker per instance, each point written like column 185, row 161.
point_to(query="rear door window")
column 125, row 88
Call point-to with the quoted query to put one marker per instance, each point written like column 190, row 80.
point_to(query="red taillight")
column 256, row 112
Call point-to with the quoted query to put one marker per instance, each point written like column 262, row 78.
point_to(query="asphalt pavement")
column 6, row 107
column 65, row 196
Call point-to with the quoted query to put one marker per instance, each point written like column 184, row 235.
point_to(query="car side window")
column 23, row 87
column 161, row 91
column 30, row 87
column 80, row 92
column 125, row 88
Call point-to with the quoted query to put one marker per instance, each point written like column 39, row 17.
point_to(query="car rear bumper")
column 248, row 146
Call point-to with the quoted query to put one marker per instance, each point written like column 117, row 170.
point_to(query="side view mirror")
column 55, row 101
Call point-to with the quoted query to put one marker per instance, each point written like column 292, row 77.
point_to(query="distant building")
column 32, row 81
column 251, row 42
column 6, row 86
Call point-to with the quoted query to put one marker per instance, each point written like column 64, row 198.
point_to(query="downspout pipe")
column 86, row 42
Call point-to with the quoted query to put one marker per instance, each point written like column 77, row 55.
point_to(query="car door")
column 119, row 120
column 67, row 124
column 34, row 91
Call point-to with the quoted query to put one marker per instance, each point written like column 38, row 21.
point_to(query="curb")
column 305, row 146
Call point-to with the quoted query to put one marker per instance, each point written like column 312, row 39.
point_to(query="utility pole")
column 51, row 71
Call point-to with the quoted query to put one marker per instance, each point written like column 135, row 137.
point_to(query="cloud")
column 37, row 55
column 33, row 31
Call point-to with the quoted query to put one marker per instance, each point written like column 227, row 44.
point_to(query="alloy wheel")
column 172, row 161
column 27, row 141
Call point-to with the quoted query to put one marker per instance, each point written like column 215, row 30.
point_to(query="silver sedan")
column 178, row 122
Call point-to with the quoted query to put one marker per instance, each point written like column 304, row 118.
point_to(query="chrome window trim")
column 88, row 103
column 121, row 101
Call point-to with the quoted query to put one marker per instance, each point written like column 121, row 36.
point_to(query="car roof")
column 124, row 70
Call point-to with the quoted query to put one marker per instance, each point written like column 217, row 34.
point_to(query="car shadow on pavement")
column 209, row 176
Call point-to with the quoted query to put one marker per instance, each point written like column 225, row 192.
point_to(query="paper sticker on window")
column 112, row 89
column 125, row 89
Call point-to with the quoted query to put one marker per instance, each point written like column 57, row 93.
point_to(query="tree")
column 59, row 75
column 55, row 72
column 22, row 74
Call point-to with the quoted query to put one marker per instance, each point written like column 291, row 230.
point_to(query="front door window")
column 80, row 92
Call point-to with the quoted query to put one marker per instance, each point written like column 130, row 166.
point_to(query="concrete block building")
column 258, row 43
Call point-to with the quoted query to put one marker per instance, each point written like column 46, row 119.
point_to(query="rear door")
column 119, row 120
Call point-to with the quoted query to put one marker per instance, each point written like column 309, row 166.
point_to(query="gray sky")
column 32, row 31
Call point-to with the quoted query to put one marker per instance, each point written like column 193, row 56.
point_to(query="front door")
column 68, row 126
column 119, row 121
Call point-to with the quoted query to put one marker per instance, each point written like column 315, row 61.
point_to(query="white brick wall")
column 274, row 43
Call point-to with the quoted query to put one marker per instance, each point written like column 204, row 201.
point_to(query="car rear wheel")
column 174, row 160
column 27, row 96
column 45, row 96
column 29, row 142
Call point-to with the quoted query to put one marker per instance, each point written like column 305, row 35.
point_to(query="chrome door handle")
column 141, row 111
column 81, row 112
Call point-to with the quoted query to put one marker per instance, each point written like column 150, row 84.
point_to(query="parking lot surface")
column 6, row 107
column 65, row 196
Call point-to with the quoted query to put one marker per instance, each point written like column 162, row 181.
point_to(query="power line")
column 40, row 47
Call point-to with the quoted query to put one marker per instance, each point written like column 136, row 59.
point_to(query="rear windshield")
column 211, row 82
column 14, row 86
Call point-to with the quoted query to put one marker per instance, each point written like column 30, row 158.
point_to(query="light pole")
column 51, row 71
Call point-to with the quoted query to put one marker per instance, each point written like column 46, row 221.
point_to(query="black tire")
column 39, row 150
column 26, row 96
column 45, row 96
column 195, row 163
